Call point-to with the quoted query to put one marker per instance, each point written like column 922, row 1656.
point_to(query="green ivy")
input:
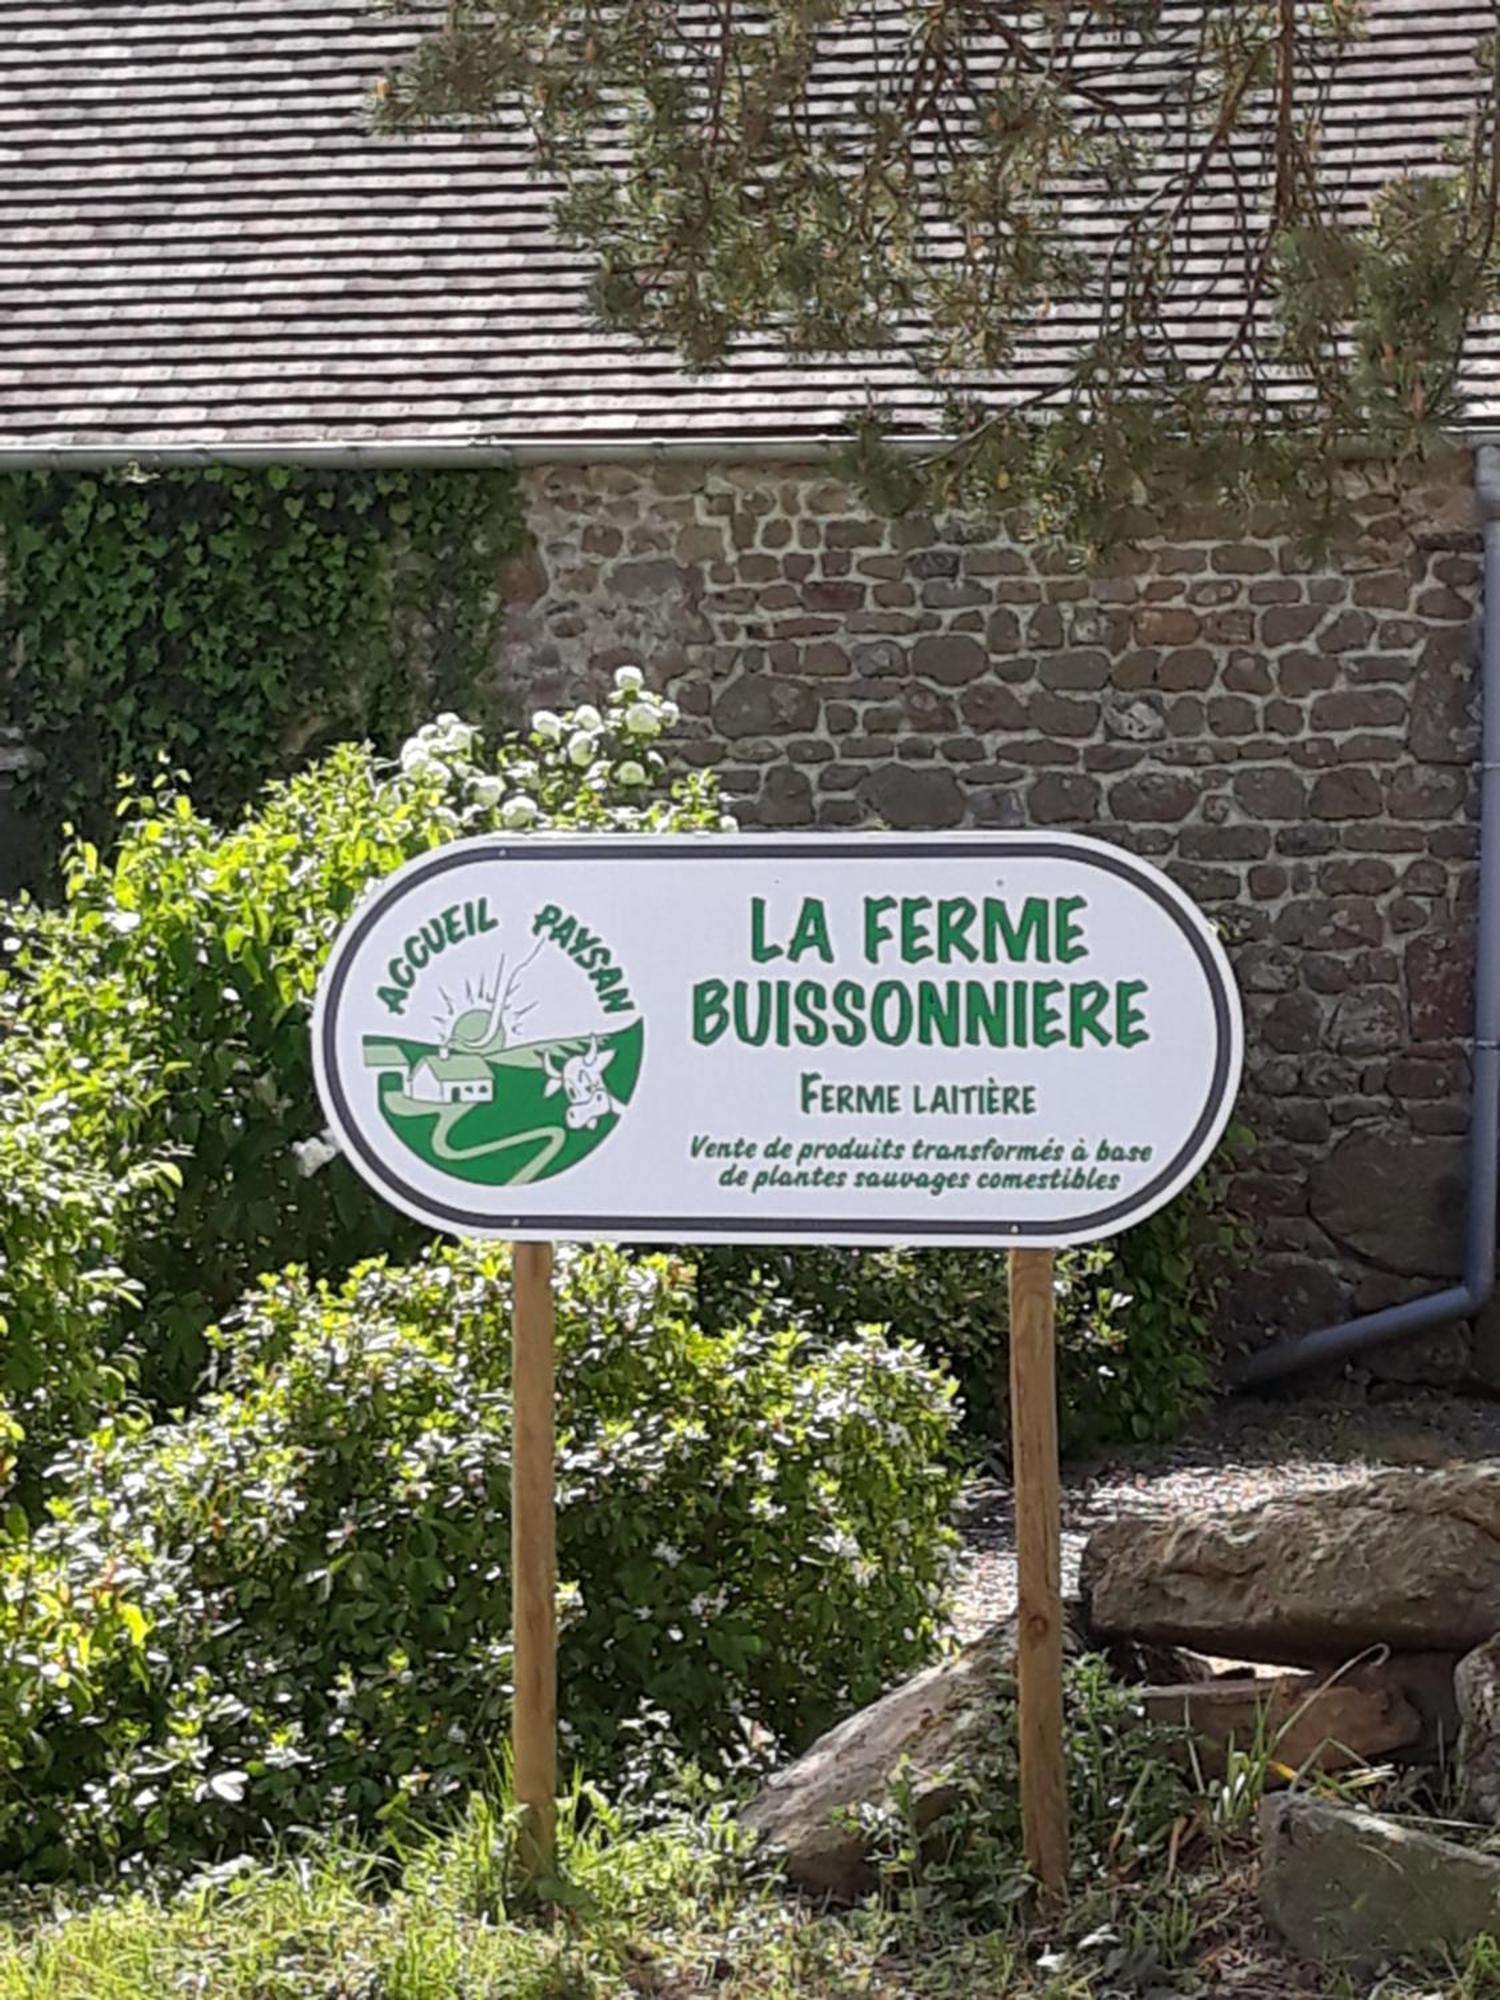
column 236, row 621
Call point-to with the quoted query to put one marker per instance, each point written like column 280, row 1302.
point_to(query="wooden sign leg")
column 533, row 1529
column 1039, row 1628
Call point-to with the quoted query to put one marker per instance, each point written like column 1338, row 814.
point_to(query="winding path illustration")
column 550, row 1136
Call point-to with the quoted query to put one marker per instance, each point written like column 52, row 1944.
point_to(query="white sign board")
column 1011, row 1038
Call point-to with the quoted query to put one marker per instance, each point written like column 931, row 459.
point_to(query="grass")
column 680, row 1909
column 670, row 1911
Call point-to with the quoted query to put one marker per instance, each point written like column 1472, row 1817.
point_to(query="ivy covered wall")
column 231, row 622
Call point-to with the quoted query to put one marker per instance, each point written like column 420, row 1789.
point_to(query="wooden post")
column 533, row 1541
column 1039, row 1628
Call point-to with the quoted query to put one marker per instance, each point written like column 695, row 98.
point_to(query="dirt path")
column 1244, row 1450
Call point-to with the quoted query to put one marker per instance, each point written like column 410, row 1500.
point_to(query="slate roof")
column 201, row 244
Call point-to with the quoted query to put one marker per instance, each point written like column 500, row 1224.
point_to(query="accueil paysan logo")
column 514, row 1045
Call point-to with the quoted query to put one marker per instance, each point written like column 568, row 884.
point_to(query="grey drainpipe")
column 1461, row 1301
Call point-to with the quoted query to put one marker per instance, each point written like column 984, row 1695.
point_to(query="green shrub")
column 161, row 1015
column 295, row 1605
column 70, row 1203
column 1134, row 1316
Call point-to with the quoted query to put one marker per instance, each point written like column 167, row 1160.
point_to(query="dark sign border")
column 636, row 1228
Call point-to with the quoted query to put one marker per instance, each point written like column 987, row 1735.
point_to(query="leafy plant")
column 237, row 620
column 293, row 1608
column 1135, row 1316
column 1126, row 1793
column 155, row 1072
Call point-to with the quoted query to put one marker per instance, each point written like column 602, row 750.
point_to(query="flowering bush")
column 1135, row 1316
column 296, row 1606
column 158, row 1121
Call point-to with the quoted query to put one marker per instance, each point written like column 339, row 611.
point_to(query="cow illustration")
column 581, row 1079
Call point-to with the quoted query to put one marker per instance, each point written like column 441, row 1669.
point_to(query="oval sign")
column 1009, row 1038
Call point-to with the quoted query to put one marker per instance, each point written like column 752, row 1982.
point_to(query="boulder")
column 1396, row 1198
column 1409, row 1560
column 1340, row 1884
column 1306, row 1723
column 927, row 1725
column 1476, row 1687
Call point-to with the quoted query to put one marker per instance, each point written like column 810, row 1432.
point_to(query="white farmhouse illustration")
column 458, row 1078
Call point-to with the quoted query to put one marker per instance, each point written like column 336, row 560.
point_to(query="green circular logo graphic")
column 501, row 1114
column 513, row 1046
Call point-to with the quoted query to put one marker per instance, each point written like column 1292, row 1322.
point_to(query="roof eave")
column 334, row 453
column 480, row 452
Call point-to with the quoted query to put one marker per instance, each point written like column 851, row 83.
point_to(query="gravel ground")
column 1245, row 1449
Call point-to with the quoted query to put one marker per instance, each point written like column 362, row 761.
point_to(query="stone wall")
column 1292, row 740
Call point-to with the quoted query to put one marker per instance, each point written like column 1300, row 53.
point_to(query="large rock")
column 1476, row 1687
column 1408, row 1559
column 1340, row 1884
column 1307, row 1723
column 1444, row 726
column 929, row 1725
column 1396, row 1198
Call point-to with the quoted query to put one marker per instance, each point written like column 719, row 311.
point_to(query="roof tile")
column 201, row 242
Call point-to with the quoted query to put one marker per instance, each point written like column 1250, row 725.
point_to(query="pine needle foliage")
column 851, row 178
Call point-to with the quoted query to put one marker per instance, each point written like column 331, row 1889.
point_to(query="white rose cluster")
column 605, row 748
column 439, row 747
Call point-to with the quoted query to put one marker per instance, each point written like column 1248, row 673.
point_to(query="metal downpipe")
column 1358, row 1336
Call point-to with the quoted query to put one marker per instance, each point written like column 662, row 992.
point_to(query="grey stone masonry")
column 1292, row 740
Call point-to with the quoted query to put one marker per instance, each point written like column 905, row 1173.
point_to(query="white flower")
column 642, row 718
column 629, row 773
column 588, row 717
column 488, row 791
column 546, row 725
column 524, row 771
column 629, row 680
column 670, row 713
column 417, row 759
column 449, row 736
column 665, row 1553
column 518, row 811
column 581, row 749
column 123, row 921
column 312, row 1154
